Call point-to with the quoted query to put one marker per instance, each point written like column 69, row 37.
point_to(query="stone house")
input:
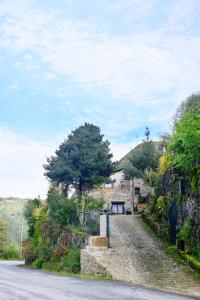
column 120, row 194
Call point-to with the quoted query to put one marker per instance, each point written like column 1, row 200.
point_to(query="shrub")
column 185, row 234
column 196, row 252
column 44, row 251
column 11, row 251
column 71, row 262
column 30, row 250
column 58, row 252
column 3, row 236
column 38, row 263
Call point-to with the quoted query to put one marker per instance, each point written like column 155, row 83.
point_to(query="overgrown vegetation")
column 58, row 227
column 82, row 162
column 55, row 235
column 174, row 208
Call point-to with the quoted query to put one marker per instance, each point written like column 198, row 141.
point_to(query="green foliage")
column 185, row 147
column 38, row 263
column 185, row 234
column 196, row 252
column 11, row 251
column 193, row 262
column 62, row 210
column 71, row 262
column 174, row 253
column 30, row 250
column 91, row 205
column 51, row 239
column 191, row 104
column 3, row 237
column 83, row 160
column 144, row 159
column 29, row 208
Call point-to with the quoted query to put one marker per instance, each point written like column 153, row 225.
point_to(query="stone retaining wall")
column 89, row 264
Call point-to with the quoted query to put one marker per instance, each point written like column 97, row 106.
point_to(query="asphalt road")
column 20, row 283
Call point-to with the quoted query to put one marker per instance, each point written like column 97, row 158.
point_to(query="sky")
column 120, row 64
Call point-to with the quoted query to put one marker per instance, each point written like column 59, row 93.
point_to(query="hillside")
column 125, row 159
column 11, row 211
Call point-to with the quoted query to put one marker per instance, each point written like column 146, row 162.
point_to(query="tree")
column 143, row 161
column 145, row 158
column 62, row 211
column 82, row 161
column 29, row 208
column 185, row 147
column 191, row 104
column 3, row 236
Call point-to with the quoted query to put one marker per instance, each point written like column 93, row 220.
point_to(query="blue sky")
column 122, row 65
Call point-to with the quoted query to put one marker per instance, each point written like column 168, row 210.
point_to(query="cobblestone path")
column 137, row 257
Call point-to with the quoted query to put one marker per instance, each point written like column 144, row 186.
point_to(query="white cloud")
column 21, row 163
column 127, row 67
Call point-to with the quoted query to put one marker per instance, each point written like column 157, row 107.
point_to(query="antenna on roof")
column 147, row 133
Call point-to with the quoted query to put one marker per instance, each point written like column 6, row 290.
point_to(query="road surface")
column 19, row 283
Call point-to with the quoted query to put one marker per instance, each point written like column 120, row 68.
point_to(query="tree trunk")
column 82, row 199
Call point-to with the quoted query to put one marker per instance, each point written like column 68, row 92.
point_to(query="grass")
column 70, row 274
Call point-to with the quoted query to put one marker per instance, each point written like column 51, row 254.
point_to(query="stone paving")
column 137, row 257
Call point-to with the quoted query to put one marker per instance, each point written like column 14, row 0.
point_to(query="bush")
column 185, row 234
column 44, row 251
column 30, row 250
column 38, row 263
column 71, row 262
column 196, row 252
column 58, row 252
column 3, row 236
column 11, row 251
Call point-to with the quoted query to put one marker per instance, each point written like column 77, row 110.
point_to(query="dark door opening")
column 117, row 208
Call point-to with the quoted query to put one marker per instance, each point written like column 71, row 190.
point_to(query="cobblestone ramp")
column 139, row 258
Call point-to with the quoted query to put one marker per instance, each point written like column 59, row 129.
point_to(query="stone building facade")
column 121, row 196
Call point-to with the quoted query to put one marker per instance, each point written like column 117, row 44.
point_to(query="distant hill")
column 125, row 159
column 11, row 211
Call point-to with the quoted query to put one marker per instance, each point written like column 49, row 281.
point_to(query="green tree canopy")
column 191, row 104
column 145, row 158
column 82, row 161
column 185, row 146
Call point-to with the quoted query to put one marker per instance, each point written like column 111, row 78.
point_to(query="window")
column 137, row 191
column 117, row 208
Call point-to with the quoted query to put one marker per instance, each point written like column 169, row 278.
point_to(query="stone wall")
column 190, row 210
column 90, row 265
column 122, row 192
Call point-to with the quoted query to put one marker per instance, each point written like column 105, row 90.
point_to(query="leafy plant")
column 185, row 234
column 3, row 237
column 11, row 251
column 71, row 262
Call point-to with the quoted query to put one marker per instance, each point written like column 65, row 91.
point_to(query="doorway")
column 117, row 208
